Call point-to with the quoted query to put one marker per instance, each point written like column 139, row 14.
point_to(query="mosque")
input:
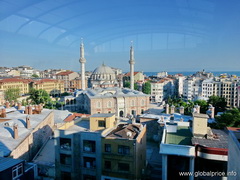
column 106, row 94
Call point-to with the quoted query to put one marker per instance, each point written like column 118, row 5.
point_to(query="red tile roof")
column 128, row 74
column 74, row 115
column 233, row 129
column 8, row 80
column 64, row 73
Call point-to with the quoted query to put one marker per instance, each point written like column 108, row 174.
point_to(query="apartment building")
column 67, row 77
column 51, row 86
column 193, row 148
column 78, row 147
column 15, row 83
column 162, row 89
column 124, row 152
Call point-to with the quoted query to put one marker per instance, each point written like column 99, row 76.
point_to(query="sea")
column 187, row 73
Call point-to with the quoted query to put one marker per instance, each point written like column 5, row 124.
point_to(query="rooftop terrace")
column 181, row 137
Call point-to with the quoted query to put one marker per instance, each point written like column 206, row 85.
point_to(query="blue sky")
column 168, row 35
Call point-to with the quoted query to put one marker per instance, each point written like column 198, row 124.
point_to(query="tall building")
column 233, row 153
column 124, row 152
column 78, row 147
column 67, row 77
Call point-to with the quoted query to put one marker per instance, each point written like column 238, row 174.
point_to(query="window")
column 89, row 146
column 133, row 103
column 17, row 171
column 123, row 150
column 65, row 143
column 107, row 165
column 109, row 104
column 107, row 147
column 123, row 166
column 143, row 102
column 65, row 159
column 101, row 124
column 89, row 162
column 98, row 104
column 65, row 175
column 89, row 177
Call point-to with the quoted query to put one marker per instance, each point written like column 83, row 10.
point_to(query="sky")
column 167, row 35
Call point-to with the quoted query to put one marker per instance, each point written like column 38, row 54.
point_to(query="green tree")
column 35, row 76
column 230, row 118
column 126, row 84
column 147, row 88
column 39, row 96
column 203, row 105
column 219, row 103
column 12, row 94
column 135, row 86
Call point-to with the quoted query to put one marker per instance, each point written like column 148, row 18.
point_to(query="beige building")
column 67, row 77
column 2, row 99
column 21, row 84
column 121, row 101
column 51, row 86
column 78, row 147
column 13, row 72
column 124, row 152
column 138, row 76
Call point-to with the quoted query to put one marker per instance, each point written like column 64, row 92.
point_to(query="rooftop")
column 126, row 131
column 6, row 163
column 181, row 137
column 64, row 73
column 103, row 115
column 220, row 140
column 82, row 125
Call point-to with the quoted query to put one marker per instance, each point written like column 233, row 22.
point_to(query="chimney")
column 3, row 114
column 19, row 106
column 40, row 108
column 7, row 104
column 26, row 109
column 199, row 127
column 211, row 111
column 30, row 110
column 181, row 110
column 28, row 125
column 197, row 108
column 15, row 131
column 172, row 109
column 167, row 109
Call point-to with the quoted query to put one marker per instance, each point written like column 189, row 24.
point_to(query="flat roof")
column 221, row 140
column 181, row 137
column 82, row 125
column 103, row 115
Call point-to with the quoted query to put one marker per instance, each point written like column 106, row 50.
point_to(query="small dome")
column 103, row 69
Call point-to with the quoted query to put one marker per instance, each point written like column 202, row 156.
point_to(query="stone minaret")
column 131, row 62
column 82, row 61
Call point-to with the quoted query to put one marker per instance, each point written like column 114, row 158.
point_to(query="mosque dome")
column 103, row 69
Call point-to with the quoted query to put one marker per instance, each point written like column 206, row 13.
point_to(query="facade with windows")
column 78, row 147
column 124, row 152
column 120, row 101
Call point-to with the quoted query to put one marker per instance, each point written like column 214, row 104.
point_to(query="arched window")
column 109, row 104
column 142, row 102
column 98, row 104
column 133, row 103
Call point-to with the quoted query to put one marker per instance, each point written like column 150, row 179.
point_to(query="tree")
column 230, row 118
column 39, row 96
column 219, row 103
column 135, row 86
column 12, row 94
column 203, row 105
column 126, row 84
column 147, row 88
column 35, row 76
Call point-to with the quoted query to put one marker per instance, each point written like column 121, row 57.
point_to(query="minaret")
column 82, row 60
column 131, row 62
